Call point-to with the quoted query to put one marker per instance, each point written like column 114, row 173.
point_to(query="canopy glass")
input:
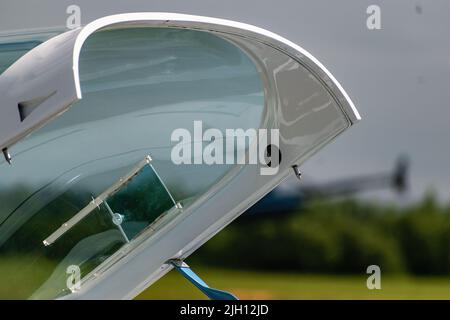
column 138, row 84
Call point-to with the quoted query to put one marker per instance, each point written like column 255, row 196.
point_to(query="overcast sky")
column 398, row 77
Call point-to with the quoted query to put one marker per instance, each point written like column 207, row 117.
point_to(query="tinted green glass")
column 44, row 268
column 141, row 201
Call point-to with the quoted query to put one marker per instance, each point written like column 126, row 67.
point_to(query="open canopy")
column 80, row 111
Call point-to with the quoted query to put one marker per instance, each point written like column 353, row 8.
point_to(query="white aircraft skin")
column 299, row 97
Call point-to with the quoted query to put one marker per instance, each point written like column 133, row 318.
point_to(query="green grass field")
column 269, row 285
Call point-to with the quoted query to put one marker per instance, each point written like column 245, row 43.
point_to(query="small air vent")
column 27, row 107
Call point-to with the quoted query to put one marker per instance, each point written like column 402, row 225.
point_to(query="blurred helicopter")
column 291, row 195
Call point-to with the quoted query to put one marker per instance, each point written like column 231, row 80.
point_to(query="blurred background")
column 379, row 195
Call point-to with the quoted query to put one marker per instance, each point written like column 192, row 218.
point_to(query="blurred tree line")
column 343, row 236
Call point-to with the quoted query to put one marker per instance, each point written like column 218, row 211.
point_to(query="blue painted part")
column 276, row 203
column 211, row 293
